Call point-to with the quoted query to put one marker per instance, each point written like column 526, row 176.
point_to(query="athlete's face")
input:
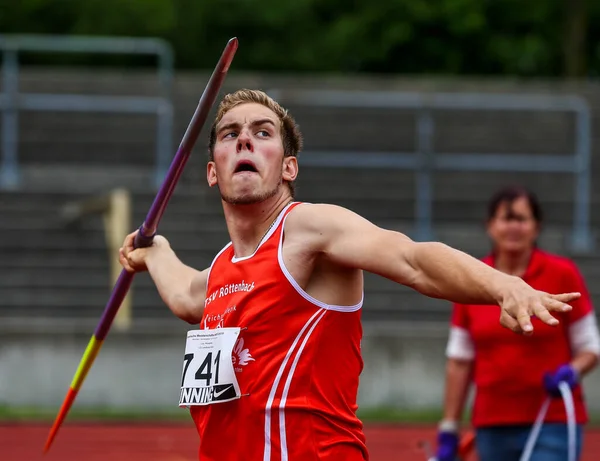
column 248, row 163
column 513, row 228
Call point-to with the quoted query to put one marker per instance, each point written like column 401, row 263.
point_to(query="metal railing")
column 12, row 100
column 425, row 160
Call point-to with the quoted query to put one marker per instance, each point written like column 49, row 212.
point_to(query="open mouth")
column 245, row 166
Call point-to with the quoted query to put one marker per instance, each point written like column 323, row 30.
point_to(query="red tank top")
column 297, row 361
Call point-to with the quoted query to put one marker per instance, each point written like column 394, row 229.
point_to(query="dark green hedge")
column 477, row 37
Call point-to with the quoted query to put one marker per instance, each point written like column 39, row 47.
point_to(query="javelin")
column 147, row 230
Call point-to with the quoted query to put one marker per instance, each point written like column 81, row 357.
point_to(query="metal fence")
column 12, row 100
column 426, row 160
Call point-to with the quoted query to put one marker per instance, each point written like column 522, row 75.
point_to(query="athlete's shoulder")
column 323, row 211
column 315, row 216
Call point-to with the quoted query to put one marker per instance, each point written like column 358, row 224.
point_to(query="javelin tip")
column 228, row 54
column 64, row 409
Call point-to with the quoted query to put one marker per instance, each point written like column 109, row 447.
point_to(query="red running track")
column 178, row 442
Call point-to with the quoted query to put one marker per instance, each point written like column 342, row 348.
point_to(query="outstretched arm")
column 432, row 268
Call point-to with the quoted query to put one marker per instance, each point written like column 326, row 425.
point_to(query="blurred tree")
column 575, row 35
column 92, row 17
column 508, row 37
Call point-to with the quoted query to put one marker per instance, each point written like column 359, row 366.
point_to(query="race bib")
column 208, row 375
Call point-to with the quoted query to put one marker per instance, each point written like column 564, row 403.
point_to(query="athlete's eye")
column 263, row 134
column 232, row 134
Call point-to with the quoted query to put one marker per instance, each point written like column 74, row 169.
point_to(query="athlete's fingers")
column 133, row 259
column 554, row 305
column 128, row 243
column 124, row 262
column 508, row 322
column 524, row 321
column 544, row 315
column 566, row 297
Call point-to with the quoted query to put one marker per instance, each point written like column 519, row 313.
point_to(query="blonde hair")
column 290, row 132
column 291, row 136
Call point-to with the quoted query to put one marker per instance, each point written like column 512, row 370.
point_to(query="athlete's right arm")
column 182, row 288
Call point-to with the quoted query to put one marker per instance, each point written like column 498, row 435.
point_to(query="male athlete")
column 273, row 371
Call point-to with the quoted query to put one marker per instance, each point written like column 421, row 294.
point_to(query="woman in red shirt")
column 514, row 374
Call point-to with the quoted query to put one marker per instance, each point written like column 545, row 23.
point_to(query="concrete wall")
column 404, row 368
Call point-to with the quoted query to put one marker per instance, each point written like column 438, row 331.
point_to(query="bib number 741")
column 205, row 370
column 208, row 375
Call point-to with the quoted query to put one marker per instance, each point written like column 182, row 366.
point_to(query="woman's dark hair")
column 508, row 195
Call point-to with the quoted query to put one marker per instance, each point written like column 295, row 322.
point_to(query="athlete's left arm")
column 432, row 268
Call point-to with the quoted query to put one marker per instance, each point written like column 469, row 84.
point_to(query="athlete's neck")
column 248, row 224
column 513, row 263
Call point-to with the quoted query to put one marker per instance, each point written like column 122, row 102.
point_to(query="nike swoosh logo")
column 222, row 391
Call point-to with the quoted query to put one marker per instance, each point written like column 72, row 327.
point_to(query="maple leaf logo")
column 241, row 356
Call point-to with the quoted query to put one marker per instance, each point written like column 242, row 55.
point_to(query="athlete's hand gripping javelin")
column 134, row 259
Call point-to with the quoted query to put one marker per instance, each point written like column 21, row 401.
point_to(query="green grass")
column 111, row 414
column 9, row 413
column 394, row 415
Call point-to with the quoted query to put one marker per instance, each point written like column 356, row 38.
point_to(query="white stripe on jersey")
column 267, row 453
column 288, row 382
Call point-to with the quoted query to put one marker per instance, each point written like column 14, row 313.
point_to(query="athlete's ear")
column 289, row 168
column 211, row 174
